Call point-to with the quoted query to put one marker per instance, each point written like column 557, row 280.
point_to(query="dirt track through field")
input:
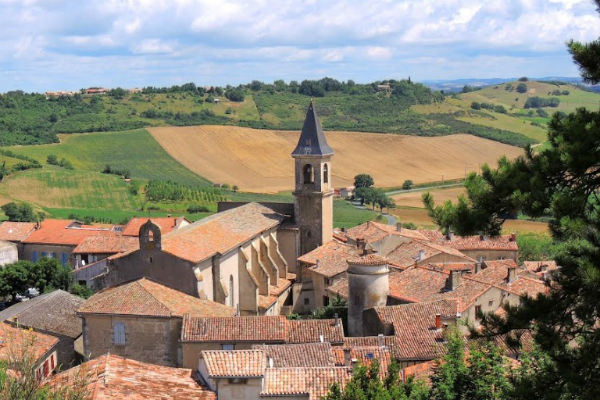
column 259, row 160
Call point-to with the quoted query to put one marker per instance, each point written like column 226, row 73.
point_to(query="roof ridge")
column 139, row 282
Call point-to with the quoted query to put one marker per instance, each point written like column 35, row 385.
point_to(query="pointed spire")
column 312, row 139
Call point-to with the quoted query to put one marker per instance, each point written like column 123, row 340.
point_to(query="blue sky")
column 71, row 44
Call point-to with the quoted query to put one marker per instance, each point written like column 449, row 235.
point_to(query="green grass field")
column 136, row 151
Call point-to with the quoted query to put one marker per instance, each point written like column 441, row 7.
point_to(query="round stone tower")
column 368, row 287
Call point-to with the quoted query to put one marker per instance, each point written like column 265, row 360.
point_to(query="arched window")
column 231, row 290
column 325, row 173
column 308, row 173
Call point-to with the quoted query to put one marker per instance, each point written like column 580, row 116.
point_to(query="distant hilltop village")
column 198, row 310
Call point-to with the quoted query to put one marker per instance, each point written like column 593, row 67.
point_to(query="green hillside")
column 516, row 114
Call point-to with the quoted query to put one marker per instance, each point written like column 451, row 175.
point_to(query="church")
column 245, row 256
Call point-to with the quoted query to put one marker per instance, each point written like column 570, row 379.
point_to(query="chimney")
column 321, row 339
column 399, row 226
column 438, row 321
column 380, row 340
column 482, row 238
column 478, row 266
column 513, row 237
column 361, row 245
column 450, row 235
column 421, row 255
column 347, row 359
column 454, row 280
column 512, row 274
column 270, row 362
column 343, row 229
column 337, row 319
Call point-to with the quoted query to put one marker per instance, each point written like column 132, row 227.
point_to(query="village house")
column 166, row 225
column 240, row 333
column 17, row 344
column 16, row 232
column 55, row 314
column 8, row 253
column 141, row 320
column 112, row 377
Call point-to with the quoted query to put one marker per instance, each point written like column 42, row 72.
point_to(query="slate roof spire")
column 312, row 139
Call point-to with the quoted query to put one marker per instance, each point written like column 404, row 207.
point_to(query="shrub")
column 407, row 185
column 521, row 88
column 195, row 208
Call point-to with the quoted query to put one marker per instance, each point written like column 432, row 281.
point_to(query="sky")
column 71, row 44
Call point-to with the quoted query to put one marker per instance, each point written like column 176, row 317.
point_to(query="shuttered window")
column 119, row 333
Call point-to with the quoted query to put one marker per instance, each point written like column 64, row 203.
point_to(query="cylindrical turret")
column 368, row 287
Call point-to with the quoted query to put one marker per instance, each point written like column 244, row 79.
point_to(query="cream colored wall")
column 388, row 243
column 8, row 253
column 489, row 302
column 148, row 339
column 236, row 391
column 492, row 254
column 192, row 351
column 288, row 246
column 443, row 258
column 230, row 268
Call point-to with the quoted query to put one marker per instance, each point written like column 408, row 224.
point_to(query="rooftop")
column 369, row 259
column 16, row 231
column 260, row 329
column 406, row 254
column 373, row 231
column 106, row 244
column 298, row 355
column 502, row 242
column 145, row 297
column 330, row 259
column 166, row 224
column 111, row 377
column 235, row 363
column 16, row 342
column 313, row 382
column 53, row 312
column 220, row 232
column 496, row 273
column 64, row 232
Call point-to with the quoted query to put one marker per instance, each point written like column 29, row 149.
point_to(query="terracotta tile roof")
column 64, row 232
column 53, row 312
column 540, row 267
column 406, row 254
column 265, row 302
column 313, row 381
column 363, row 355
column 340, row 287
column 311, row 330
column 107, row 244
column 465, row 267
column 148, row 298
column 390, row 342
column 369, row 259
column 374, row 231
column 235, row 363
column 426, row 284
column 220, row 232
column 16, row 231
column 263, row 329
column 414, row 326
column 166, row 225
column 298, row 355
column 16, row 342
column 111, row 377
column 503, row 242
column 331, row 258
column 496, row 273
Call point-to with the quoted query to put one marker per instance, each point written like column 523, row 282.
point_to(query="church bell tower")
column 313, row 191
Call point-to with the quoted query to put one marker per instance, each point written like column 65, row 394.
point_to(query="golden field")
column 259, row 160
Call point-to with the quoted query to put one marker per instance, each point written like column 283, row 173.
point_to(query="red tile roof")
column 406, row 254
column 503, row 242
column 313, row 381
column 235, row 363
column 298, row 355
column 64, row 232
column 263, row 329
column 363, row 355
column 537, row 267
column 148, row 298
column 496, row 273
column 414, row 326
column 111, row 377
column 425, row 284
column 373, row 231
column 220, row 232
column 166, row 225
column 16, row 231
column 106, row 244
column 331, row 258
column 16, row 343
column 368, row 260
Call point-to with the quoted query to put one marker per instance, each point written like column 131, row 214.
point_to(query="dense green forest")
column 30, row 118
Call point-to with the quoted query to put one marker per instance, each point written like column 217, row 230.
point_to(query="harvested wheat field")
column 259, row 160
column 414, row 199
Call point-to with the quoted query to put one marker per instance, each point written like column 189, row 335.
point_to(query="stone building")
column 16, row 232
column 55, row 314
column 9, row 252
column 141, row 320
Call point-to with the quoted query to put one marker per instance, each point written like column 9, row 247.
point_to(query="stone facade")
column 148, row 339
column 9, row 253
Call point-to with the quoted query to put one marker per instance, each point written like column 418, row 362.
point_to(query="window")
column 64, row 258
column 325, row 173
column 327, row 281
column 119, row 333
column 227, row 347
column 238, row 381
column 325, row 301
column 477, row 311
column 491, row 303
column 34, row 256
column 53, row 255
column 44, row 254
column 308, row 173
column 306, row 301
